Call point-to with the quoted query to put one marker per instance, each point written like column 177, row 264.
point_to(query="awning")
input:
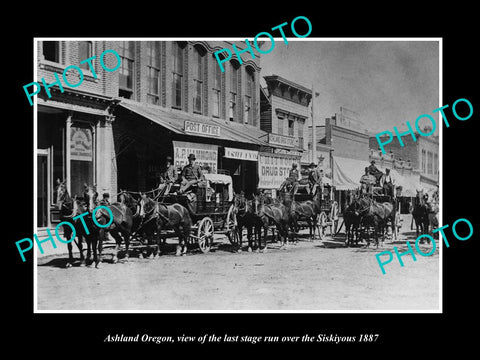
column 347, row 172
column 175, row 121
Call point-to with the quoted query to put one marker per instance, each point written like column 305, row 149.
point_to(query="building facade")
column 167, row 98
column 284, row 112
column 421, row 156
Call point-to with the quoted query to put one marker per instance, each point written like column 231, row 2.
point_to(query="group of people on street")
column 315, row 179
column 374, row 176
column 188, row 180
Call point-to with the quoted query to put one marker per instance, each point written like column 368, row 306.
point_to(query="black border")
column 424, row 332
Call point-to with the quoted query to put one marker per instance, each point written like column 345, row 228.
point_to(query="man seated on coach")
column 191, row 175
column 387, row 182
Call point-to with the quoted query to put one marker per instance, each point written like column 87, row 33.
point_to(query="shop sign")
column 241, row 154
column 201, row 128
column 276, row 139
column 205, row 154
column 273, row 169
column 81, row 145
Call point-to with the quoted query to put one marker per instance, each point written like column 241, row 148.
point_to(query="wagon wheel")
column 322, row 224
column 205, row 234
column 231, row 226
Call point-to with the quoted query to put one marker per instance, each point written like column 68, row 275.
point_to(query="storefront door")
column 42, row 188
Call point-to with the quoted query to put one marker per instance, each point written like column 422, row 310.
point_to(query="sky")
column 386, row 82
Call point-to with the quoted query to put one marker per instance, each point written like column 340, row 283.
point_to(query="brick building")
column 166, row 98
column 421, row 156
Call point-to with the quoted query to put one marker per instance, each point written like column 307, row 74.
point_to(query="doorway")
column 42, row 188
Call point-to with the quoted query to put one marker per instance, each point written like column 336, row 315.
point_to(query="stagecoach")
column 327, row 218
column 211, row 209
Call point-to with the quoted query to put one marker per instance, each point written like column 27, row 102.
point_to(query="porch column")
column 105, row 180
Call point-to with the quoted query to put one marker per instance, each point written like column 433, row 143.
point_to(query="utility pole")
column 314, row 133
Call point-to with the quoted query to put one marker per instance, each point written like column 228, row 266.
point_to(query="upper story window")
column 291, row 127
column 217, row 89
column 51, row 51
column 85, row 51
column 234, row 73
column 249, row 93
column 178, row 72
column 424, row 160
column 435, row 164
column 153, row 72
column 429, row 162
column 198, row 69
column 126, row 71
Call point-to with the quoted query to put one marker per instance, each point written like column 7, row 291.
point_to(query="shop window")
column 81, row 157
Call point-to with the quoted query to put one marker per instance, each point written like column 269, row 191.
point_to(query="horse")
column 352, row 218
column 163, row 216
column 68, row 209
column 420, row 214
column 276, row 212
column 308, row 211
column 375, row 215
column 121, row 226
column 246, row 217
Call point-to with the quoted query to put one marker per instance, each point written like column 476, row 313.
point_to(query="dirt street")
column 319, row 275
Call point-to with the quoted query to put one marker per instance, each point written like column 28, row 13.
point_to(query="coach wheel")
column 205, row 234
column 322, row 224
column 231, row 226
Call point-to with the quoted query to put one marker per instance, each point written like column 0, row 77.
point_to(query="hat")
column 372, row 162
column 294, row 164
column 387, row 169
column 169, row 158
column 311, row 165
column 191, row 156
column 106, row 195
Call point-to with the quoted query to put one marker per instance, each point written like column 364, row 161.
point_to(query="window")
column 198, row 66
column 85, row 51
column 430, row 163
column 424, row 160
column 126, row 73
column 300, row 134
column 217, row 90
column 280, row 126
column 153, row 72
column 51, row 51
column 178, row 58
column 250, row 81
column 435, row 164
column 291, row 127
column 233, row 89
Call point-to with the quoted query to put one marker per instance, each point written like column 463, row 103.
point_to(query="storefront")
column 68, row 150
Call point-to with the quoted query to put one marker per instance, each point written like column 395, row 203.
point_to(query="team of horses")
column 363, row 217
column 147, row 217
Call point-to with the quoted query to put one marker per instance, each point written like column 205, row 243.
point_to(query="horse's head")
column 62, row 193
column 90, row 195
column 127, row 199
column 239, row 203
column 79, row 206
column 146, row 205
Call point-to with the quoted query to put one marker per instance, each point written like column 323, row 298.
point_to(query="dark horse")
column 352, row 218
column 375, row 215
column 308, row 211
column 277, row 213
column 163, row 216
column 246, row 218
column 420, row 214
column 121, row 226
column 69, row 209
